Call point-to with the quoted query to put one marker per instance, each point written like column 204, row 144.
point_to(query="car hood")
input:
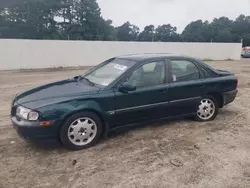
column 55, row 92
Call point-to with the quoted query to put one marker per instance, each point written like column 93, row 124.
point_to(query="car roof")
column 149, row 56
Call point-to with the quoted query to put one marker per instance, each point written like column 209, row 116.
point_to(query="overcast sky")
column 176, row 12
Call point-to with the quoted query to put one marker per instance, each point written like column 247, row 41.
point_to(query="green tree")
column 108, row 30
column 82, row 20
column 222, row 30
column 55, row 19
column 30, row 19
column 127, row 32
column 166, row 33
column 241, row 28
column 7, row 3
column 197, row 31
column 148, row 33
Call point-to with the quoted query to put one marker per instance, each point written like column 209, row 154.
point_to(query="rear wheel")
column 207, row 109
column 81, row 130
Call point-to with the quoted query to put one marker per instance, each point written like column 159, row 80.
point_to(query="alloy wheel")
column 206, row 109
column 82, row 131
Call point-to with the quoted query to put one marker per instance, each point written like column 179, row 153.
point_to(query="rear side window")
column 184, row 70
column 205, row 73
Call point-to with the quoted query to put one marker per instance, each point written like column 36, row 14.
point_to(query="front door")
column 185, row 88
column 148, row 101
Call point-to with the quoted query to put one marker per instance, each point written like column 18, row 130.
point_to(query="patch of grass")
column 207, row 59
column 53, row 69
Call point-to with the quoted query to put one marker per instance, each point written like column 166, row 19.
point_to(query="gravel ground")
column 179, row 153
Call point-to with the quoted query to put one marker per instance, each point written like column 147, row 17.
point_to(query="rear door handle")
column 202, row 86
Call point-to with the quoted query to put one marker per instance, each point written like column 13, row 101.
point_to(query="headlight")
column 26, row 113
column 33, row 116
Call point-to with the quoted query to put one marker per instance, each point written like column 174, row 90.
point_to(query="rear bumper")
column 229, row 96
column 33, row 132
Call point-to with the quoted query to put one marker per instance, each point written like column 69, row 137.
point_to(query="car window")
column 107, row 73
column 183, row 70
column 147, row 75
column 150, row 67
column 205, row 73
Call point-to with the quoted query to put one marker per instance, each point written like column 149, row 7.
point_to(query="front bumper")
column 246, row 55
column 33, row 132
column 229, row 96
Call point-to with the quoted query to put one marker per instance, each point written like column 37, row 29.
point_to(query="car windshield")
column 105, row 74
column 246, row 51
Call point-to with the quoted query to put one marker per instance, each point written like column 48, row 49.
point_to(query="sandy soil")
column 172, row 154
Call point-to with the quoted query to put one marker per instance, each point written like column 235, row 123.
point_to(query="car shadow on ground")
column 51, row 147
column 160, row 123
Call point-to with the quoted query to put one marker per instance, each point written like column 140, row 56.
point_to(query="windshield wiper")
column 92, row 83
column 78, row 78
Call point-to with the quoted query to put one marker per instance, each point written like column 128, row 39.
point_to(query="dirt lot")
column 214, row 154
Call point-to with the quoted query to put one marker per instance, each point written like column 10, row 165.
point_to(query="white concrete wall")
column 30, row 54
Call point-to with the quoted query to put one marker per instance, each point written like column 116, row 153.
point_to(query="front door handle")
column 163, row 90
column 202, row 86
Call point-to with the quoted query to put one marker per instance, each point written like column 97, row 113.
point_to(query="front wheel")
column 207, row 109
column 81, row 130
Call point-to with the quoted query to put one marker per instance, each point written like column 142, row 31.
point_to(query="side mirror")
column 125, row 88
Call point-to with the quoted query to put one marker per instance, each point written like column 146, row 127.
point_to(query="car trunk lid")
column 224, row 73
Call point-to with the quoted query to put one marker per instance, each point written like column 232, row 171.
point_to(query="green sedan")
column 122, row 91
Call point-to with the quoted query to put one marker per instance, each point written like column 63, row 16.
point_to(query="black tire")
column 216, row 108
column 65, row 127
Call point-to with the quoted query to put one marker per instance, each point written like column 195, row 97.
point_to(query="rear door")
column 186, row 87
column 148, row 101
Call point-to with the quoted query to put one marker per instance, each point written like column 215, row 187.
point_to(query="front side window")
column 183, row 70
column 148, row 75
column 110, row 71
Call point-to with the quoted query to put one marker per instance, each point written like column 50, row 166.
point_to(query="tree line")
column 82, row 20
